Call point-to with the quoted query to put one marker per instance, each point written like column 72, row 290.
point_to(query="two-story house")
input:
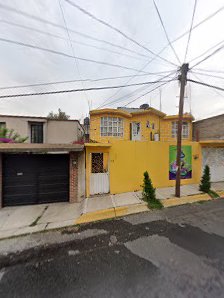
column 137, row 124
column 44, row 130
column 48, row 167
column 125, row 142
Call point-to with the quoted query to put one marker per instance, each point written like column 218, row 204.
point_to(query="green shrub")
column 205, row 184
column 149, row 193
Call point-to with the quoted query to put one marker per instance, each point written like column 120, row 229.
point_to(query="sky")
column 41, row 23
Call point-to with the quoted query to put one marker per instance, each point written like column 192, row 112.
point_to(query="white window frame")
column 185, row 129
column 111, row 127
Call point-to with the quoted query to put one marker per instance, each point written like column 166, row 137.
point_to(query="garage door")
column 214, row 158
column 35, row 178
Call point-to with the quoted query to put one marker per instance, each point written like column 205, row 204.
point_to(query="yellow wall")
column 128, row 160
column 163, row 126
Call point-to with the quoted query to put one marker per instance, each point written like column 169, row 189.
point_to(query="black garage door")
column 35, row 178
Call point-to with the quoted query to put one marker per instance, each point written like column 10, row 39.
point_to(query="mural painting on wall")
column 186, row 162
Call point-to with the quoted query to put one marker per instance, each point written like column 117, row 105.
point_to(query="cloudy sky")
column 40, row 23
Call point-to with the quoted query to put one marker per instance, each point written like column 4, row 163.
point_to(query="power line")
column 189, row 36
column 148, row 92
column 215, row 90
column 72, row 49
column 164, row 29
column 194, row 27
column 205, row 84
column 207, row 75
column 129, row 80
column 72, row 40
column 67, row 55
column 207, row 57
column 44, row 21
column 125, row 97
column 208, row 50
column 116, row 30
column 209, row 70
column 136, row 90
column 199, row 23
column 74, row 81
column 75, row 90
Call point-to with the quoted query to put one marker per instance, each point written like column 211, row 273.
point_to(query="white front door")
column 214, row 158
column 136, row 131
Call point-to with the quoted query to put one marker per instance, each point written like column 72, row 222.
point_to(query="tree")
column 149, row 193
column 10, row 136
column 58, row 116
column 205, row 184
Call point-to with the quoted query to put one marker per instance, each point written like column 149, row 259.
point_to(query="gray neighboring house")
column 209, row 129
column 210, row 133
column 48, row 167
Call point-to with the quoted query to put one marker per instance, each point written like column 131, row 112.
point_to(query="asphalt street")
column 175, row 252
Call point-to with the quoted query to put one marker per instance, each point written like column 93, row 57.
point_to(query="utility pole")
column 183, row 80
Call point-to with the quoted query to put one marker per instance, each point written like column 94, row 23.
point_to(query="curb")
column 111, row 213
column 185, row 200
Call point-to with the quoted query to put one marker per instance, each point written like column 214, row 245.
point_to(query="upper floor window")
column 111, row 127
column 185, row 130
column 37, row 132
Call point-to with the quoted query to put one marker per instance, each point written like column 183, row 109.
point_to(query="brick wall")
column 209, row 129
column 73, row 183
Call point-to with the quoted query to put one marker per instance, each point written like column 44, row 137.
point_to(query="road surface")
column 175, row 252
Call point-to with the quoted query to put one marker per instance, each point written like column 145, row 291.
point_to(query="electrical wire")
column 72, row 40
column 189, row 36
column 125, row 97
column 186, row 32
column 209, row 70
column 73, row 81
column 209, row 56
column 215, row 90
column 205, row 84
column 128, row 81
column 76, row 65
column 208, row 50
column 116, row 30
column 207, row 75
column 75, row 90
column 148, row 92
column 44, row 21
column 166, row 34
column 67, row 55
column 137, row 90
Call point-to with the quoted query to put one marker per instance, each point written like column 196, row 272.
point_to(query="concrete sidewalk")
column 22, row 220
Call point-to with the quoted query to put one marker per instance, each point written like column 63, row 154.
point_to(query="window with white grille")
column 185, row 130
column 111, row 127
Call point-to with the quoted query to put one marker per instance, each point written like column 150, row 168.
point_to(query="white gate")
column 214, row 158
column 99, row 177
column 99, row 183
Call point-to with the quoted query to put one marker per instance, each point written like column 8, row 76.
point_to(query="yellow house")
column 126, row 142
column 136, row 125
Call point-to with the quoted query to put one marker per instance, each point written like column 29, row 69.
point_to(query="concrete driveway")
column 19, row 220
